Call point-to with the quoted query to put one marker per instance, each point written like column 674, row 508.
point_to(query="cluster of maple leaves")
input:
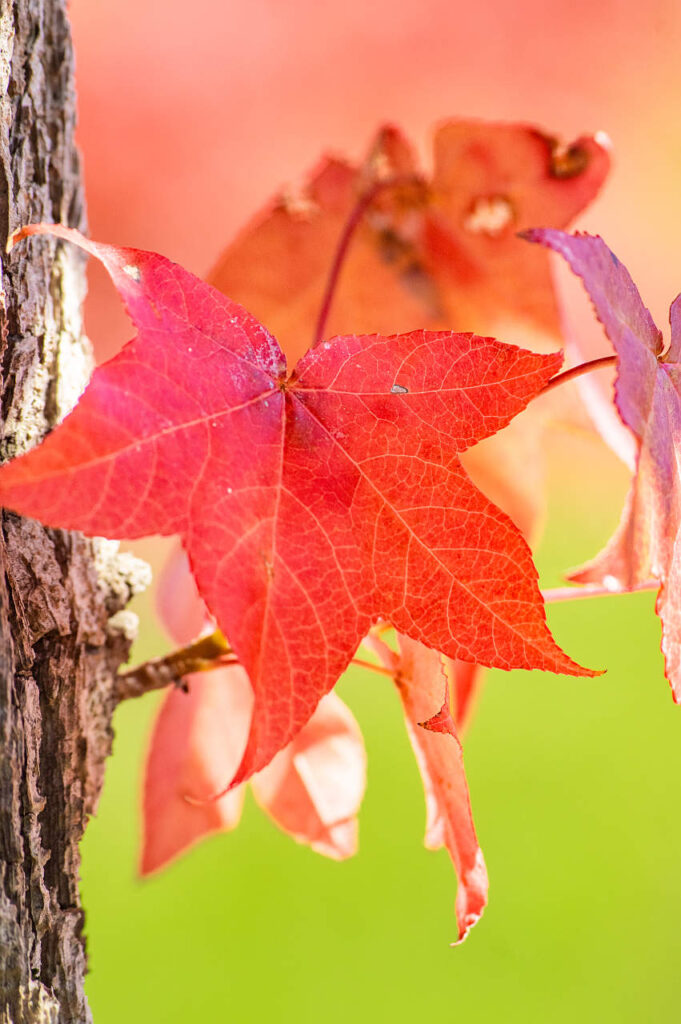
column 320, row 458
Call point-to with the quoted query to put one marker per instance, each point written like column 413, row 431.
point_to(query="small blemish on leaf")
column 489, row 215
column 299, row 205
column 567, row 161
column 132, row 271
column 397, row 389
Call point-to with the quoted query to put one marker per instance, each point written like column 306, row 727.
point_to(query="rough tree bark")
column 62, row 633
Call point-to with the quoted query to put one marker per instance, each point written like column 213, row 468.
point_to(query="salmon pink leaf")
column 422, row 684
column 465, row 681
column 310, row 505
column 313, row 788
column 178, row 603
column 648, row 399
column 197, row 742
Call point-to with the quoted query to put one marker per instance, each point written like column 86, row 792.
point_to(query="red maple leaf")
column 310, row 505
column 648, row 399
column 438, row 251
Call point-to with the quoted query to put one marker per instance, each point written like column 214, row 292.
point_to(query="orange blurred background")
column 191, row 116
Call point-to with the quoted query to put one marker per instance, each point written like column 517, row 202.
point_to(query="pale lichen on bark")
column 60, row 594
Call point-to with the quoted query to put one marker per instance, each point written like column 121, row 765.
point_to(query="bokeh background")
column 191, row 116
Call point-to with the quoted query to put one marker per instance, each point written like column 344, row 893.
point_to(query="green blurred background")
column 573, row 783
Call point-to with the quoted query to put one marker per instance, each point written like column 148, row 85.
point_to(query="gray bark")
column 59, row 649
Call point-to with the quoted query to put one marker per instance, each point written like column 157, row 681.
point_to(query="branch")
column 204, row 654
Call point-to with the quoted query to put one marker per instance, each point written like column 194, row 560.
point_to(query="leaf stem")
column 577, row 593
column 355, row 217
column 374, row 668
column 578, row 371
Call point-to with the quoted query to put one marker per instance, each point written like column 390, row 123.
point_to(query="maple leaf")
column 310, row 505
column 420, row 677
column 312, row 789
column 439, row 252
column 648, row 399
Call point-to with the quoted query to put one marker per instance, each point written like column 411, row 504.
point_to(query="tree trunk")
column 59, row 645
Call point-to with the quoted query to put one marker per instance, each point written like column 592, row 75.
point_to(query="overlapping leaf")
column 310, row 505
column 438, row 252
column 648, row 398
column 312, row 789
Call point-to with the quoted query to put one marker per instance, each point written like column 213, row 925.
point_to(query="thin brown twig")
column 205, row 653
